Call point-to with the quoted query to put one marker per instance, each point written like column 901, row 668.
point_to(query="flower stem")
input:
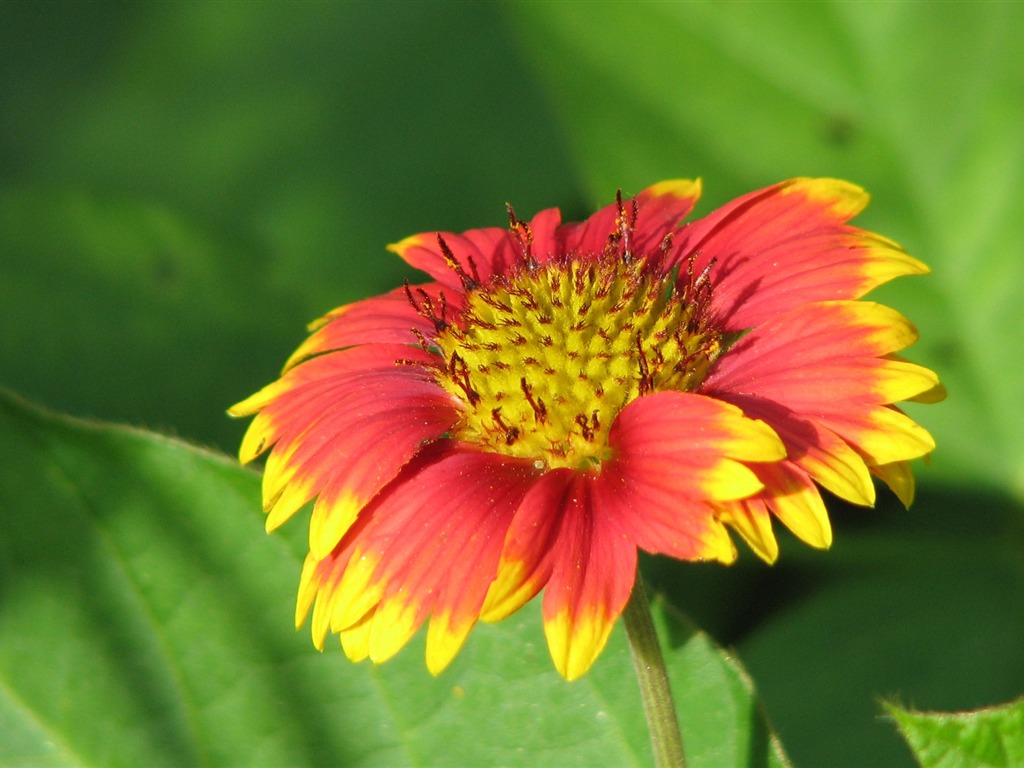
column 649, row 663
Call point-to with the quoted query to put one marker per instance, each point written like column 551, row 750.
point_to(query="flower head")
column 562, row 395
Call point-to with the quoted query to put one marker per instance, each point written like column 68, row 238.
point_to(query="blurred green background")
column 184, row 185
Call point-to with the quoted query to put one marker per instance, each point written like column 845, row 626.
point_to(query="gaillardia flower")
column 562, row 395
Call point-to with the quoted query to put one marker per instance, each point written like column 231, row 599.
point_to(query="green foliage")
column 987, row 738
column 186, row 184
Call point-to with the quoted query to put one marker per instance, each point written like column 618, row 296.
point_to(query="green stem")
column 649, row 663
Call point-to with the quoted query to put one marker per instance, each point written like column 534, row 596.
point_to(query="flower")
column 562, row 395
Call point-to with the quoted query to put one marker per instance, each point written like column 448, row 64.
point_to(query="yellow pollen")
column 544, row 359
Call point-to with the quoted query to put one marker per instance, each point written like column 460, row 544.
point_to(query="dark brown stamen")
column 611, row 246
column 666, row 244
column 625, row 225
column 459, row 373
column 422, row 340
column 524, row 238
column 646, row 381
column 585, row 429
column 540, row 413
column 511, row 433
column 469, row 282
column 425, row 307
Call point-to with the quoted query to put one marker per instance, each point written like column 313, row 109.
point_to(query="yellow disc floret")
column 544, row 358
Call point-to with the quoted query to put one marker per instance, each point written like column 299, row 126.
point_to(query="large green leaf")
column 919, row 103
column 145, row 619
column 990, row 738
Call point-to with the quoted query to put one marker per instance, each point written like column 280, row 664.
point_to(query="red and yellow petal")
column 428, row 545
column 281, row 427
column 459, row 601
column 528, row 554
column 676, row 457
column 701, row 444
column 790, row 495
column 828, row 364
column 291, row 399
column 309, row 586
column 593, row 570
column 351, row 474
column 332, row 461
column 825, row 352
column 319, row 432
column 575, row 534
column 882, row 434
column 823, row 455
column 317, row 591
column 355, row 639
column 787, row 245
column 825, row 357
column 794, row 499
column 900, row 479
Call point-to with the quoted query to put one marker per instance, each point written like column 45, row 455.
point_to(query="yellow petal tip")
column 681, row 188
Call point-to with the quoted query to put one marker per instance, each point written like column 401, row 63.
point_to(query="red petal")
column 353, row 451
column 479, row 253
column 544, row 228
column 368, row 357
column 676, row 455
column 434, row 538
column 819, row 358
column 287, row 406
column 528, row 555
column 387, row 319
column 658, row 520
column 787, row 245
column 824, row 362
column 698, row 442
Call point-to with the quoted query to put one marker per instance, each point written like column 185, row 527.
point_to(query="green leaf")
column 986, row 738
column 747, row 94
column 145, row 619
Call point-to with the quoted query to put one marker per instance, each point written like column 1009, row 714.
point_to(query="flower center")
column 544, row 358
